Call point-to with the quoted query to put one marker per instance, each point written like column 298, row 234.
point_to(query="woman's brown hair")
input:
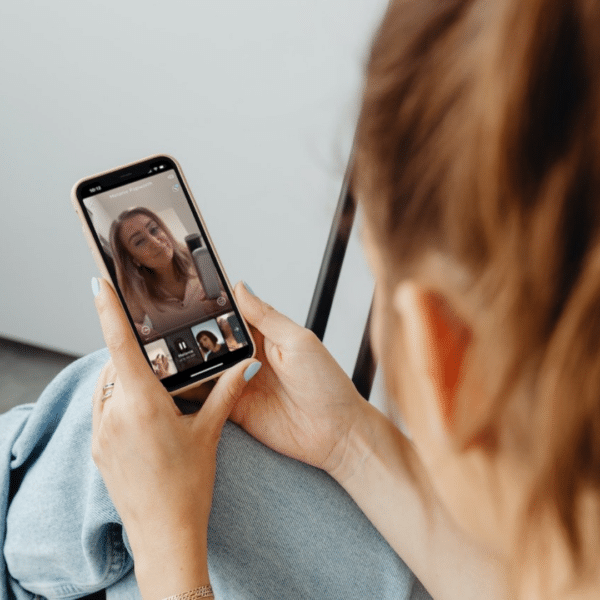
column 479, row 139
column 210, row 335
column 138, row 282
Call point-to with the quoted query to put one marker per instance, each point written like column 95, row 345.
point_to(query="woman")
column 208, row 342
column 477, row 170
column 477, row 166
column 155, row 272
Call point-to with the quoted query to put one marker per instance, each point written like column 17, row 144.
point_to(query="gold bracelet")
column 204, row 591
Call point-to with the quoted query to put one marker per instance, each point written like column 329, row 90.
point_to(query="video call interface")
column 155, row 250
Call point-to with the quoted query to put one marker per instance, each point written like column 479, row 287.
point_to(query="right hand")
column 301, row 403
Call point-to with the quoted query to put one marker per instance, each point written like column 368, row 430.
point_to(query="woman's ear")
column 437, row 342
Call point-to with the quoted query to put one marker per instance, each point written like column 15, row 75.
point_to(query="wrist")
column 359, row 443
column 167, row 569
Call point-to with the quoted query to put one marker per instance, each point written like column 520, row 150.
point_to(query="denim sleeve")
column 11, row 425
column 278, row 528
column 63, row 537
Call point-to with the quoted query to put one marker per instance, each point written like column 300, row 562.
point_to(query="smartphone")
column 151, row 243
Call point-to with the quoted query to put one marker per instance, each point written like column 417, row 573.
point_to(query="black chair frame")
column 329, row 274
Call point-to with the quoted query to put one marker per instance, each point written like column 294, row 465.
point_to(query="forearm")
column 375, row 475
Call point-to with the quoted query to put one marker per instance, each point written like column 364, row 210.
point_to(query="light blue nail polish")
column 95, row 286
column 248, row 288
column 252, row 370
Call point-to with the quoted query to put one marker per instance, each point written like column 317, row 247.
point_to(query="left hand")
column 158, row 464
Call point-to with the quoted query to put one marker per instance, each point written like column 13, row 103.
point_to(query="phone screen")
column 165, row 271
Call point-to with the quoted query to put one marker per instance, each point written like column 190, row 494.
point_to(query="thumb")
column 127, row 357
column 226, row 393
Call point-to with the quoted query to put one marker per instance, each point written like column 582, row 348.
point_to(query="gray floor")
column 25, row 371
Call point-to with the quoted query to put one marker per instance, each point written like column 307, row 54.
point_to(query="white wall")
column 258, row 102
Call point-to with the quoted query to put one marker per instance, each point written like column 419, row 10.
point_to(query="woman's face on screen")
column 146, row 242
column 206, row 343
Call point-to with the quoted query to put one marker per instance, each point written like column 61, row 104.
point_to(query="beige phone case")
column 104, row 271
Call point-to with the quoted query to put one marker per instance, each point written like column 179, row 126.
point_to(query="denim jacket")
column 62, row 536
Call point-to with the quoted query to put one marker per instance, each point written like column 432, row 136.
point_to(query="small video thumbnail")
column 160, row 359
column 184, row 349
column 232, row 331
column 209, row 339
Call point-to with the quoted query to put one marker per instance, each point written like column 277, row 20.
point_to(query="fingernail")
column 252, row 370
column 95, row 286
column 248, row 288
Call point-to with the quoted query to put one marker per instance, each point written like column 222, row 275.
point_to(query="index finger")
column 126, row 354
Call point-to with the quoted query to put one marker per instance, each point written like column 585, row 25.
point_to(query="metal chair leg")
column 333, row 258
column 366, row 366
column 329, row 274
